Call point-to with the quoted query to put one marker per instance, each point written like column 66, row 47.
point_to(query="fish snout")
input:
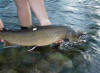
column 77, row 39
column 82, row 38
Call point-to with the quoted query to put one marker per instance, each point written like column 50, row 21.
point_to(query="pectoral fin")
column 32, row 48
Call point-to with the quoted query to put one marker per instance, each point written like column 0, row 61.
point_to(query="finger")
column 1, row 40
column 1, row 25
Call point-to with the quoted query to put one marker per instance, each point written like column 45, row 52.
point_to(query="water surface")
column 81, row 15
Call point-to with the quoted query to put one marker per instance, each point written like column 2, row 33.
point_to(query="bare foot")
column 46, row 23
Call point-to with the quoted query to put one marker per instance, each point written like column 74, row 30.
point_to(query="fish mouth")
column 82, row 39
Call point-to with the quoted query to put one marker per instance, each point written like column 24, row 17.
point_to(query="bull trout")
column 40, row 36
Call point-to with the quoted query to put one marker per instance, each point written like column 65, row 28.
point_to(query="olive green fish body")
column 40, row 37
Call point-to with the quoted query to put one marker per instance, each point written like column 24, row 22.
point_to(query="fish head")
column 76, row 37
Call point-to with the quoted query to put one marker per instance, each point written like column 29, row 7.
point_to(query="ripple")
column 80, row 15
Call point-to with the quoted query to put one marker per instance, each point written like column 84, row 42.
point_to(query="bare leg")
column 1, row 25
column 24, row 12
column 39, row 9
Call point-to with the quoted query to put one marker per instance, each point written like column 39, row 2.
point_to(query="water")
column 81, row 15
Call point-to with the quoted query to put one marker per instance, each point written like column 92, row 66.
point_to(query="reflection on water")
column 81, row 15
column 43, row 60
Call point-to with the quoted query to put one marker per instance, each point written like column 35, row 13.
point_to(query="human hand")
column 1, row 25
column 1, row 28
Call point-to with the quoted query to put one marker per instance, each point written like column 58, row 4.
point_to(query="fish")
column 40, row 35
